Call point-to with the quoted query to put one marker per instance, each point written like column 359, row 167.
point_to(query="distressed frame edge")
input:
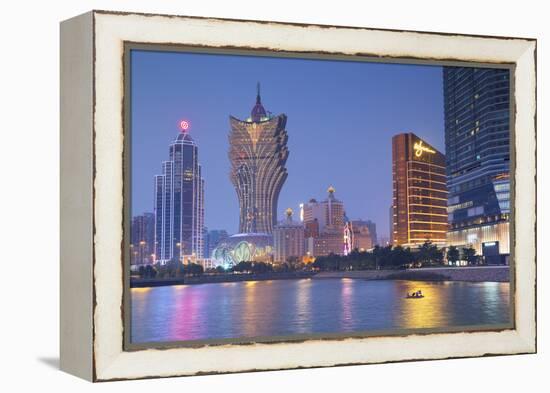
column 525, row 228
column 304, row 24
column 76, row 285
column 528, row 340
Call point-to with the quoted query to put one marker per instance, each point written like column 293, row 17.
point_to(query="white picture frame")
column 92, row 202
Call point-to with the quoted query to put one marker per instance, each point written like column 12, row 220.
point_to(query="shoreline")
column 465, row 273
column 219, row 278
column 437, row 274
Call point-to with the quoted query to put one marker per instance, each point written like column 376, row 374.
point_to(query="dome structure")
column 258, row 112
column 288, row 222
column 244, row 247
column 185, row 138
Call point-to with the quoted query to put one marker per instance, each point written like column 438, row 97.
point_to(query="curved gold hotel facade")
column 258, row 153
column 419, row 192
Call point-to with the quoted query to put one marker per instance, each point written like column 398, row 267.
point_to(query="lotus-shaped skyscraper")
column 258, row 153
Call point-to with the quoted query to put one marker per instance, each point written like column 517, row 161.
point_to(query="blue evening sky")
column 341, row 117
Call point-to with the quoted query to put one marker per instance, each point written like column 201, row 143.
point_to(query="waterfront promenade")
column 471, row 274
column 217, row 278
column 466, row 273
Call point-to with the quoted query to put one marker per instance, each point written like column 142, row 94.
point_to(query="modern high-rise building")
column 324, row 224
column 179, row 203
column 258, row 153
column 288, row 239
column 326, row 214
column 419, row 192
column 142, row 240
column 477, row 144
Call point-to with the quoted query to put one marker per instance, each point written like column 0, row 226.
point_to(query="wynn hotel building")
column 419, row 192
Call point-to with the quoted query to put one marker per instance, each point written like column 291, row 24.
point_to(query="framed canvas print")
column 248, row 195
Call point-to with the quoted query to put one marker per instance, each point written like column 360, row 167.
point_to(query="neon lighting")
column 429, row 164
column 184, row 125
column 348, row 238
column 434, row 206
column 429, row 189
column 429, row 222
column 419, row 148
column 427, row 197
column 427, row 230
column 427, row 214
column 427, row 180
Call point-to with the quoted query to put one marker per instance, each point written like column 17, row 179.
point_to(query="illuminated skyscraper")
column 258, row 153
column 477, row 143
column 179, row 202
column 419, row 192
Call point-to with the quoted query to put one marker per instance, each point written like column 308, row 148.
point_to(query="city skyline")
column 155, row 119
column 339, row 155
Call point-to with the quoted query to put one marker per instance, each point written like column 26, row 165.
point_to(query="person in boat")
column 419, row 293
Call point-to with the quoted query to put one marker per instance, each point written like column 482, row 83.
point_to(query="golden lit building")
column 419, row 192
column 258, row 153
column 483, row 235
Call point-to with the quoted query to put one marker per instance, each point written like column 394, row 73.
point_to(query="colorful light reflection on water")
column 290, row 307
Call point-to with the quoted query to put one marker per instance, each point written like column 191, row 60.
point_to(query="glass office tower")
column 477, row 142
column 179, row 204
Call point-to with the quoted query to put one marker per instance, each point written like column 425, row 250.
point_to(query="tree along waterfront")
column 398, row 257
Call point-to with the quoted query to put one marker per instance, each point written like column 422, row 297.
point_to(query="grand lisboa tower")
column 258, row 153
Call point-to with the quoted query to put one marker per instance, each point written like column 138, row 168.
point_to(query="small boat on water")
column 415, row 295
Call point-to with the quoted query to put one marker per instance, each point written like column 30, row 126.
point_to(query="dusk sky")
column 341, row 118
